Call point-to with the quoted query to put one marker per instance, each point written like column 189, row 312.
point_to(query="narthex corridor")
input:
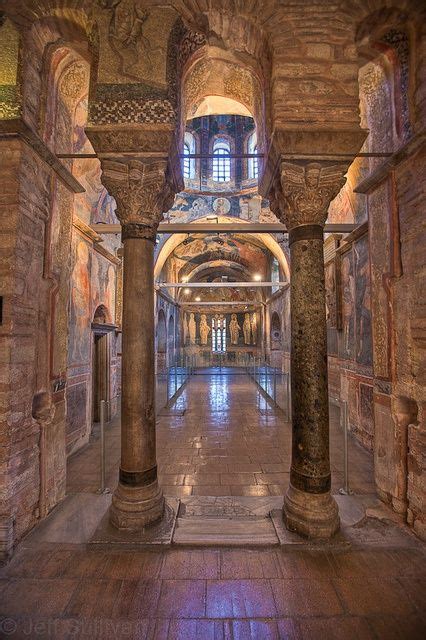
column 212, row 319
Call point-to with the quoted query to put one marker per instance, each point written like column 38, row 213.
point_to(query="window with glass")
column 219, row 334
column 188, row 167
column 252, row 164
column 221, row 161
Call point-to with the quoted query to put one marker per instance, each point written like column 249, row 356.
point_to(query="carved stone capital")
column 142, row 192
column 302, row 192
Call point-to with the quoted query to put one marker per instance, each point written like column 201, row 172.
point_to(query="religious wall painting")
column 103, row 284
column 196, row 250
column 133, row 43
column 346, row 303
column 80, row 303
column 241, row 328
column 363, row 329
column 330, row 293
column 250, row 208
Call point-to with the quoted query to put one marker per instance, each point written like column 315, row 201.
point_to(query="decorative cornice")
column 17, row 128
column 99, row 248
column 86, row 230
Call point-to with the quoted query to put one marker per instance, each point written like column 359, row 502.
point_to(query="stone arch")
column 276, row 332
column 101, row 315
column 170, row 242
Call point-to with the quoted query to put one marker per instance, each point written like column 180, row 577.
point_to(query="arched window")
column 252, row 165
column 219, row 334
column 221, row 160
column 275, row 275
column 188, row 162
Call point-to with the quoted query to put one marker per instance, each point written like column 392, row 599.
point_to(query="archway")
column 276, row 337
column 101, row 361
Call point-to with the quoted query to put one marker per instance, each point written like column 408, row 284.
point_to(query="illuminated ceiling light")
column 257, row 277
column 187, row 291
column 198, row 299
column 185, row 278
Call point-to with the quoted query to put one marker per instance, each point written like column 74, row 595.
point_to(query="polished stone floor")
column 228, row 440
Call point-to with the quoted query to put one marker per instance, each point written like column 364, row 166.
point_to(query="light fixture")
column 185, row 278
column 198, row 299
column 257, row 277
column 187, row 291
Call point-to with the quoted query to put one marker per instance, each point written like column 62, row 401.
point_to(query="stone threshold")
column 228, row 521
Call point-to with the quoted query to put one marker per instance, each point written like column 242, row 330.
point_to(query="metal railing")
column 103, row 412
column 176, row 376
column 273, row 382
column 344, row 425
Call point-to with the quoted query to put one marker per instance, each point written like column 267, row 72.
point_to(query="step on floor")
column 226, row 521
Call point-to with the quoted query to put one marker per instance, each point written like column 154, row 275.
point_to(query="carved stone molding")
column 142, row 193
column 302, row 192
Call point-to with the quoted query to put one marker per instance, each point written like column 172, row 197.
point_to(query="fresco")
column 103, row 284
column 347, row 300
column 133, row 42
column 330, row 293
column 250, row 208
column 196, row 332
column 79, row 337
column 363, row 330
column 198, row 249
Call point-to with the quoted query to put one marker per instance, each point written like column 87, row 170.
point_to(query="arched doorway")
column 276, row 337
column 101, row 361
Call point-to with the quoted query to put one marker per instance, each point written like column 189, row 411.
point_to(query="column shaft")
column 138, row 500
column 308, row 506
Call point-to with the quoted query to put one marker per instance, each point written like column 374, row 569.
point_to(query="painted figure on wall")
column 192, row 328
column 363, row 332
column 80, row 305
column 185, row 329
column 330, row 294
column 125, row 33
column 247, row 329
column 347, row 305
column 234, row 329
column 254, row 328
column 204, row 329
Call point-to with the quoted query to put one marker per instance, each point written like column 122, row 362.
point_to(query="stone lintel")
column 17, row 128
column 303, row 146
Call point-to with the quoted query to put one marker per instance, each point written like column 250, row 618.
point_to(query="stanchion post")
column 344, row 416
column 275, row 385
column 102, row 411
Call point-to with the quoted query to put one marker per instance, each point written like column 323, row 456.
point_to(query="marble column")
column 303, row 196
column 139, row 190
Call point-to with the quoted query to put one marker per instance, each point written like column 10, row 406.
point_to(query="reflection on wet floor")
column 230, row 440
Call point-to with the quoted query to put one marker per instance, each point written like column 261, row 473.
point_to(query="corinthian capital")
column 142, row 193
column 303, row 193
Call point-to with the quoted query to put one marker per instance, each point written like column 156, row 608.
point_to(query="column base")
column 313, row 515
column 134, row 508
